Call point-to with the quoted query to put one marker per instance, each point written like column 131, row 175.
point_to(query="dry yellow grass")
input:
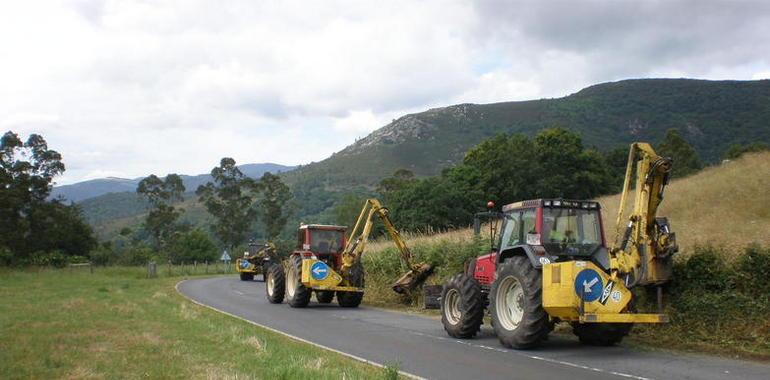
column 726, row 205
column 418, row 238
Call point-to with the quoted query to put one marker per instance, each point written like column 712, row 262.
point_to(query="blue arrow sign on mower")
column 319, row 270
column 589, row 283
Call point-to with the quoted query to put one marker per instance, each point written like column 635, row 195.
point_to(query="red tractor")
column 551, row 263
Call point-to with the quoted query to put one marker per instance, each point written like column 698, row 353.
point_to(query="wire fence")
column 155, row 270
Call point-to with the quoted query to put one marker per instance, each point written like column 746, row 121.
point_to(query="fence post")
column 195, row 267
column 152, row 269
column 169, row 268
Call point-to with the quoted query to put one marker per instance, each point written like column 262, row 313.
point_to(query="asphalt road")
column 420, row 347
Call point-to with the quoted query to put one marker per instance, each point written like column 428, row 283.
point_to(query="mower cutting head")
column 413, row 278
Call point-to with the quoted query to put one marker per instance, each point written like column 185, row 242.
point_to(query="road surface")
column 419, row 346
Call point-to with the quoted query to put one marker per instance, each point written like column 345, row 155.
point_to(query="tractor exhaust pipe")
column 413, row 278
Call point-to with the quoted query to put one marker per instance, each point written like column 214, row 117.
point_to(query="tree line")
column 236, row 204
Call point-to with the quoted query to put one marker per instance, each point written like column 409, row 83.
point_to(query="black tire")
column 275, row 283
column 324, row 296
column 601, row 334
column 247, row 276
column 356, row 277
column 532, row 326
column 462, row 306
column 297, row 295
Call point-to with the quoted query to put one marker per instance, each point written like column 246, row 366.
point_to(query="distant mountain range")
column 81, row 191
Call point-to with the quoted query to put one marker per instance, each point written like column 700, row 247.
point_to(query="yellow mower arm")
column 356, row 243
column 643, row 255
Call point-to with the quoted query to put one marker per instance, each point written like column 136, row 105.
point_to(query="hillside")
column 710, row 114
column 726, row 205
column 81, row 191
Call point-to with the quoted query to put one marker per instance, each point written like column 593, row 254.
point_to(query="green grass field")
column 117, row 324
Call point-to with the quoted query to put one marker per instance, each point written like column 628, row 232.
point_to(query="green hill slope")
column 710, row 114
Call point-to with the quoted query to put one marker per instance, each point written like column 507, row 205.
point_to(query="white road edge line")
column 549, row 360
column 358, row 358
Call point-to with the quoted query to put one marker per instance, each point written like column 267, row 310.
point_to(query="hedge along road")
column 419, row 347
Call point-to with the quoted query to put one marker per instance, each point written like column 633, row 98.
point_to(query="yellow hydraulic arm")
column 643, row 255
column 356, row 243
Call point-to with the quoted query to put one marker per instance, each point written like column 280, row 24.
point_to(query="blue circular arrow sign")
column 589, row 284
column 319, row 270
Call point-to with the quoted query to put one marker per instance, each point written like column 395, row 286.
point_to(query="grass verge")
column 117, row 324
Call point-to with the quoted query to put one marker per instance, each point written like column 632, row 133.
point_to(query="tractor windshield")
column 571, row 231
column 326, row 241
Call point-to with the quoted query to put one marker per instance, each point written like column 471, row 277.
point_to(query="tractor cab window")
column 571, row 231
column 517, row 225
column 326, row 241
column 511, row 235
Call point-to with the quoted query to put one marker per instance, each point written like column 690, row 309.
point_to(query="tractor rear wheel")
column 355, row 278
column 516, row 304
column 247, row 276
column 601, row 334
column 275, row 283
column 324, row 296
column 297, row 294
column 462, row 306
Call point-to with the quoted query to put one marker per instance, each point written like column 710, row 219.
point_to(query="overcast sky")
column 129, row 88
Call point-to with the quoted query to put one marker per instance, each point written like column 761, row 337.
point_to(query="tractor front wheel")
column 297, row 294
column 516, row 304
column 601, row 334
column 462, row 306
column 275, row 283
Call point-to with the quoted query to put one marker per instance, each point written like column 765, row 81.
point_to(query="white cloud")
column 173, row 86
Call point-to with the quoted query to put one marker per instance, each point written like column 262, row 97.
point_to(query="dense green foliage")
column 192, row 246
column 736, row 150
column 718, row 299
column 686, row 160
column 503, row 169
column 34, row 230
column 275, row 205
column 229, row 199
column 161, row 194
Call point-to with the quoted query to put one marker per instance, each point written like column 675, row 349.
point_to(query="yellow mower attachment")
column 579, row 291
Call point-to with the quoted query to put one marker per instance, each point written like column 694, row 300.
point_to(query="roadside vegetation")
column 115, row 323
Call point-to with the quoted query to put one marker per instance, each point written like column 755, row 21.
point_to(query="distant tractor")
column 256, row 260
column 328, row 264
column 550, row 263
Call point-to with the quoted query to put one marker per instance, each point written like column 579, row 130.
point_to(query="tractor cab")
column 322, row 241
column 545, row 231
column 561, row 227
